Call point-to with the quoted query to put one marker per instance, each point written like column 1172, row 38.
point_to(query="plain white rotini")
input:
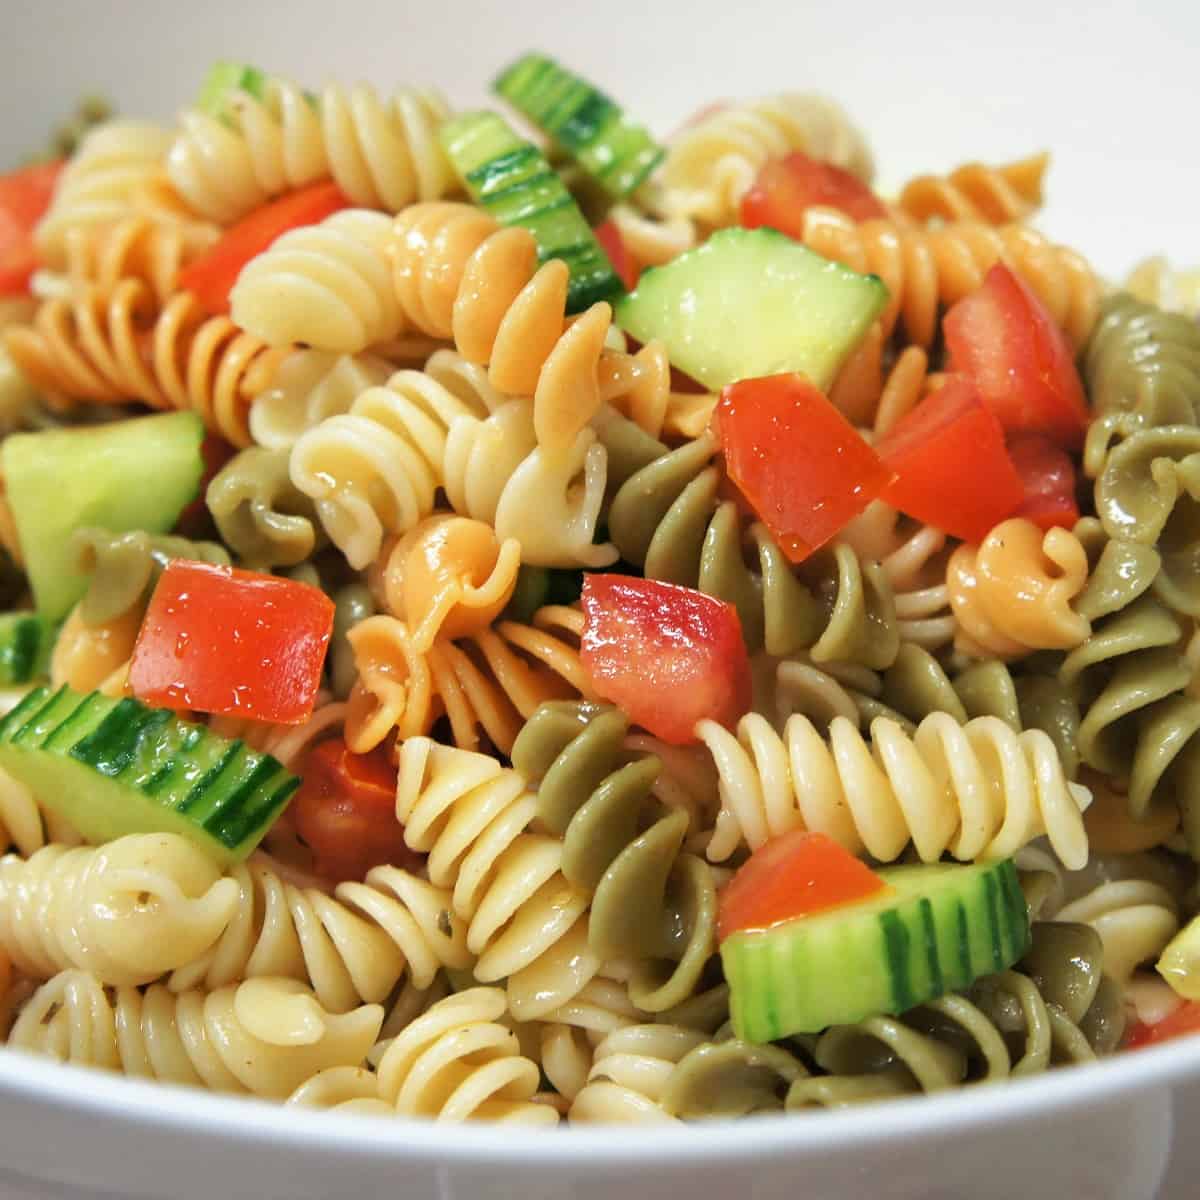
column 129, row 911
column 327, row 286
column 264, row 1036
column 375, row 469
column 457, row 1062
column 979, row 790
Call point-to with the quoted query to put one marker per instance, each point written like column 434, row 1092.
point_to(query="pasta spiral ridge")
column 1012, row 593
column 129, row 911
column 458, row 1062
column 978, row 790
column 264, row 1036
column 977, row 192
column 99, row 346
column 712, row 164
column 651, row 903
column 375, row 469
column 668, row 519
column 925, row 269
column 383, row 154
column 24, row 825
column 1156, row 282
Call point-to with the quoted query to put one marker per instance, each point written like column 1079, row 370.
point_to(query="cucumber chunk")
column 581, row 119
column 512, row 180
column 936, row 929
column 753, row 302
column 25, row 644
column 124, row 475
column 224, row 78
column 116, row 766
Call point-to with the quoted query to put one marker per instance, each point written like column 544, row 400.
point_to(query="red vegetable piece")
column 211, row 276
column 952, row 470
column 785, row 187
column 609, row 237
column 800, row 464
column 345, row 811
column 1048, row 476
column 24, row 198
column 1184, row 1020
column 791, row 876
column 220, row 640
column 668, row 655
column 1003, row 339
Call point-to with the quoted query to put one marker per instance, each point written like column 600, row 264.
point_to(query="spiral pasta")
column 977, row 790
column 976, row 192
column 667, row 519
column 712, row 164
column 87, row 348
column 128, row 911
column 1012, row 593
column 24, row 825
column 95, row 656
column 264, row 1036
column 925, row 269
column 382, row 153
column 1156, row 282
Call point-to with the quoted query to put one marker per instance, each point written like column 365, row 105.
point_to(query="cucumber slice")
column 123, row 475
column 753, row 302
column 513, row 181
column 224, row 78
column 25, row 643
column 115, row 766
column 937, row 929
column 583, row 121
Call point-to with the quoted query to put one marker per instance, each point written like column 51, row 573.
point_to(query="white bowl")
column 1114, row 93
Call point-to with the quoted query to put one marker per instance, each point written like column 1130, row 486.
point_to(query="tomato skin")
column 211, row 276
column 668, row 655
column 1184, row 1020
column 613, row 244
column 799, row 463
column 794, row 875
column 786, row 187
column 1003, row 339
column 25, row 196
column 220, row 640
column 345, row 811
column 951, row 467
column 1048, row 476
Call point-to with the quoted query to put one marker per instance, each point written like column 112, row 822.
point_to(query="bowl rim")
column 253, row 1123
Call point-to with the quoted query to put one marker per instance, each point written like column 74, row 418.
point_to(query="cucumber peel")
column 222, row 80
column 26, row 640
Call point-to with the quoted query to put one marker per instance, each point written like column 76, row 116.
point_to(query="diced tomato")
column 345, row 811
column 1003, row 339
column 793, row 876
column 801, row 465
column 609, row 237
column 1184, row 1020
column 668, row 655
column 24, row 197
column 212, row 276
column 195, row 521
column 951, row 468
column 786, row 187
column 1048, row 476
column 220, row 640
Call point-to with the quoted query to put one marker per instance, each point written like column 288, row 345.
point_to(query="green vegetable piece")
column 121, row 476
column 583, row 121
column 753, row 302
column 936, row 929
column 512, row 180
column 116, row 766
column 224, row 78
column 25, row 644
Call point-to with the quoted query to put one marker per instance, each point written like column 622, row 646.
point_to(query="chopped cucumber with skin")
column 511, row 179
column 112, row 767
column 26, row 640
column 753, row 302
column 582, row 120
column 936, row 929
column 224, row 78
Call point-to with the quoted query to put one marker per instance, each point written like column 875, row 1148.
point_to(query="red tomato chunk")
column 951, row 468
column 786, row 187
column 1048, row 476
column 1184, row 1020
column 799, row 463
column 220, row 640
column 24, row 198
column 668, row 655
column 609, row 236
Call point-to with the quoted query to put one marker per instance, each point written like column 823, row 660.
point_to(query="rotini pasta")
column 1156, row 282
column 975, row 192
